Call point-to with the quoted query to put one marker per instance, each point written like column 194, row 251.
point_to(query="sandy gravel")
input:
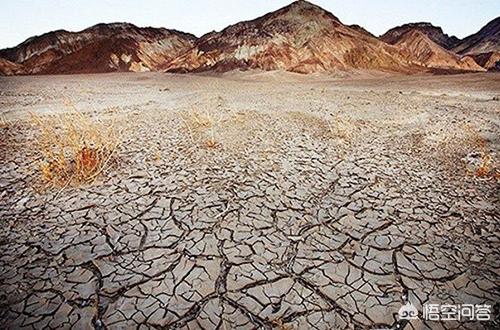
column 319, row 203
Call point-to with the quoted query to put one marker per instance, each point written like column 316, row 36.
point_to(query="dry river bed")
column 298, row 203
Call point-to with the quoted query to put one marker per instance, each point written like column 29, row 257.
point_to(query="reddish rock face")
column 422, row 51
column 434, row 33
column 305, row 38
column 422, row 41
column 419, row 41
column 490, row 61
column 8, row 68
column 100, row 48
column 300, row 38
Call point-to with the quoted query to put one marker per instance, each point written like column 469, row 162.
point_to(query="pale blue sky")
column 20, row 19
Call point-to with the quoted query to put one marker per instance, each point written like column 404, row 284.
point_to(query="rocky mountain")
column 300, row 37
column 100, row 48
column 8, row 68
column 484, row 41
column 361, row 29
column 490, row 61
column 422, row 51
column 305, row 38
column 434, row 33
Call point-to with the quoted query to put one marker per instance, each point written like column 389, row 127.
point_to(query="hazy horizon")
column 460, row 18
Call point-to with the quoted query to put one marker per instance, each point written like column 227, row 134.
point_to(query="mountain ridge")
column 423, row 51
column 300, row 37
column 487, row 39
column 99, row 48
column 435, row 33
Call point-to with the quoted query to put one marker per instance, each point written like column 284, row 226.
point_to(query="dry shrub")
column 344, row 129
column 247, row 127
column 487, row 166
column 157, row 156
column 280, row 325
column 463, row 144
column 210, row 143
column 201, row 127
column 8, row 128
column 484, row 168
column 200, row 120
column 4, row 122
column 75, row 147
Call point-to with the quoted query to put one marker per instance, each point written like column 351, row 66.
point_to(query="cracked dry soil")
column 319, row 204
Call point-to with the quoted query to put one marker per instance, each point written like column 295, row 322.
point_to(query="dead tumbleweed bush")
column 75, row 147
column 342, row 128
column 480, row 161
column 4, row 122
column 8, row 128
column 461, row 144
column 280, row 325
column 485, row 167
column 201, row 127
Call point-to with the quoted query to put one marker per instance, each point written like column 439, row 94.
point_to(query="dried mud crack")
column 322, row 204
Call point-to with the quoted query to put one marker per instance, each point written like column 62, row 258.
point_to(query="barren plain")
column 253, row 201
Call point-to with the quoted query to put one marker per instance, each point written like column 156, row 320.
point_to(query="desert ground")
column 252, row 201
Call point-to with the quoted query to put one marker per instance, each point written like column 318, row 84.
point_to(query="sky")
column 21, row 19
